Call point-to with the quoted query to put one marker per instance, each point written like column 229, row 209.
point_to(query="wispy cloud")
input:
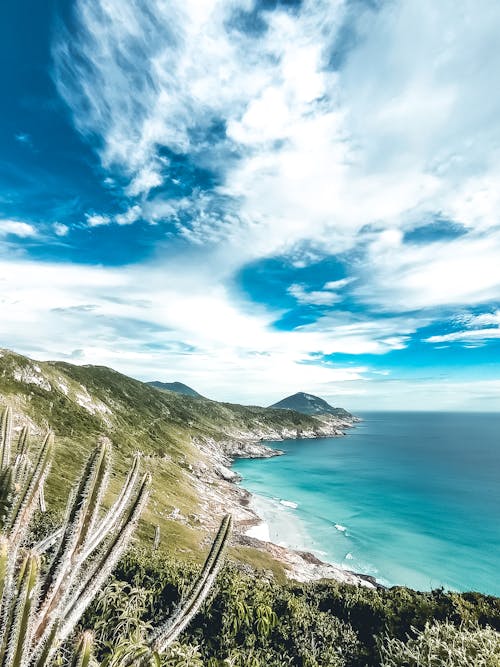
column 150, row 322
column 24, row 138
column 305, row 150
column 479, row 329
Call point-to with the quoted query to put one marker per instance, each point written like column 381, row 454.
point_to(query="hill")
column 188, row 443
column 307, row 404
column 178, row 387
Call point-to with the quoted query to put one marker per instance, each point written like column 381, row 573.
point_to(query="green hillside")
column 84, row 403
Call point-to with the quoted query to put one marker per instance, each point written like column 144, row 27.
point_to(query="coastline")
column 218, row 485
column 287, row 541
column 274, row 528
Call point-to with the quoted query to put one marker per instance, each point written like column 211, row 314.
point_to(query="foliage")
column 253, row 620
column 443, row 645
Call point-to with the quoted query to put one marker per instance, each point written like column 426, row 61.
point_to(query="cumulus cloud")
column 97, row 220
column 129, row 216
column 60, row 229
column 17, row 228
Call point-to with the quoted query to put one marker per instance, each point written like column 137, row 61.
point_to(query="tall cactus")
column 165, row 635
column 40, row 607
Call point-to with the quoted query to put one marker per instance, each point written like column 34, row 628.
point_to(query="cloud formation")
column 16, row 228
column 323, row 133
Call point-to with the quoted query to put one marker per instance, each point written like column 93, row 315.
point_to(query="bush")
column 443, row 645
column 251, row 620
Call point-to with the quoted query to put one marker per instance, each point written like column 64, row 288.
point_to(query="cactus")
column 83, row 651
column 163, row 637
column 41, row 606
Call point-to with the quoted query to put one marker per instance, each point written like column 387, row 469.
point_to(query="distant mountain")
column 178, row 387
column 308, row 404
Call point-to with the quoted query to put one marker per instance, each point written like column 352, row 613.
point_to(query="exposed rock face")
column 217, row 485
column 304, row 566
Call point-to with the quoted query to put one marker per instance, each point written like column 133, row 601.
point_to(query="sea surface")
column 410, row 498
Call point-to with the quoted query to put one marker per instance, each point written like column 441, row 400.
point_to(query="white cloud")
column 161, row 321
column 322, row 153
column 97, row 220
column 60, row 229
column 480, row 320
column 473, row 335
column 147, row 178
column 399, row 276
column 337, row 284
column 313, row 297
column 407, row 127
column 130, row 216
column 326, row 296
column 480, row 328
column 17, row 228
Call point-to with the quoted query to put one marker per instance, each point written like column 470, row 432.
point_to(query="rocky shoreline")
column 218, row 487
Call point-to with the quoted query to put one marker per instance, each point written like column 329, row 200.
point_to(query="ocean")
column 410, row 498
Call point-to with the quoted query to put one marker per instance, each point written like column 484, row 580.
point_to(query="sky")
column 256, row 197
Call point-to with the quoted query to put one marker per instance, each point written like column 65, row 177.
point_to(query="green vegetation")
column 40, row 607
column 309, row 405
column 178, row 387
column 251, row 619
column 444, row 645
column 159, row 607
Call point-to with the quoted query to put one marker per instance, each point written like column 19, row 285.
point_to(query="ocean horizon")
column 410, row 498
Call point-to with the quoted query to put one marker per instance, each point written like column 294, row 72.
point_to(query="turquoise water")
column 415, row 498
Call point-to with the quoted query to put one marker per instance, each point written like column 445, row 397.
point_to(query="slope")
column 186, row 441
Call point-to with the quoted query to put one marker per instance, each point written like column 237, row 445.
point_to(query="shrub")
column 443, row 645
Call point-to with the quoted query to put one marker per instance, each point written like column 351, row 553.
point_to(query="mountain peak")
column 309, row 404
column 178, row 387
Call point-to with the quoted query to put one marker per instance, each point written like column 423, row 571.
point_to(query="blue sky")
column 256, row 197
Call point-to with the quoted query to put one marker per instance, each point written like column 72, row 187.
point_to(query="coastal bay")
column 409, row 498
